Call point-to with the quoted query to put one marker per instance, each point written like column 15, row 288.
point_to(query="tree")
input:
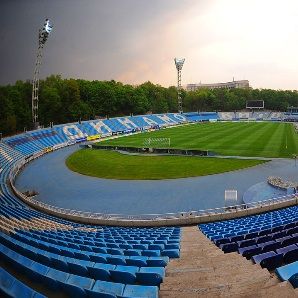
column 50, row 105
column 65, row 100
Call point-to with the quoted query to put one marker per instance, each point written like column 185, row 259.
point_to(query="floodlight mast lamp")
column 42, row 38
column 179, row 64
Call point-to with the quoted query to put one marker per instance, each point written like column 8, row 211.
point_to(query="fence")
column 166, row 219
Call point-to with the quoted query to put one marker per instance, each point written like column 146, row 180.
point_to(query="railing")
column 178, row 218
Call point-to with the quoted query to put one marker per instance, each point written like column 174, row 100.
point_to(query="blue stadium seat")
column 269, row 246
column 294, row 280
column 116, row 260
column 229, row 247
column 137, row 261
column 250, row 251
column 110, row 288
column 54, row 278
column 78, row 267
column 290, row 253
column 11, row 287
column 158, row 262
column 151, row 253
column 101, row 271
column 150, row 276
column 171, row 253
column 75, row 285
column 134, row 291
column 247, row 242
column 269, row 260
column 285, row 272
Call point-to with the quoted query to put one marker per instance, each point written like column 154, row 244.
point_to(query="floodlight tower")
column 42, row 38
column 179, row 63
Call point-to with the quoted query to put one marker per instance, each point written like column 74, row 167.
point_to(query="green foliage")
column 67, row 100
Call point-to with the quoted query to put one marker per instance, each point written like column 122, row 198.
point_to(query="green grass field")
column 234, row 139
column 261, row 139
column 114, row 165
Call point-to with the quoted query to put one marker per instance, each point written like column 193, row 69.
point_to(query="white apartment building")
column 229, row 85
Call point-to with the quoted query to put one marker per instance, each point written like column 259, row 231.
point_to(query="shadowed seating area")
column 64, row 258
column 269, row 239
column 45, row 256
column 80, row 259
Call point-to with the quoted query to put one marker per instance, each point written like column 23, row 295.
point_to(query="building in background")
column 244, row 84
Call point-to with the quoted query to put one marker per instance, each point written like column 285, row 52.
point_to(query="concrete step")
column 203, row 270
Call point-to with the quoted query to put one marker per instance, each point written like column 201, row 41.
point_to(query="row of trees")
column 68, row 100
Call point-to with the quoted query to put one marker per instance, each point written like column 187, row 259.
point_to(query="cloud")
column 136, row 40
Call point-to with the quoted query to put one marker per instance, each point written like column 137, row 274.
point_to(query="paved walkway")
column 61, row 187
column 203, row 270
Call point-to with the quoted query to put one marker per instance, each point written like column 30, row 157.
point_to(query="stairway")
column 203, row 270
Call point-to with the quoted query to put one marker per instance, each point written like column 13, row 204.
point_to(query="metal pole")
column 179, row 92
column 179, row 64
column 43, row 35
column 36, row 87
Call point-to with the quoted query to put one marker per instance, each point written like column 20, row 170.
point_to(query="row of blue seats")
column 250, row 224
column 102, row 244
column 25, row 212
column 271, row 240
column 131, row 234
column 169, row 238
column 122, row 262
column 73, row 285
column 95, row 231
column 99, row 271
column 261, row 236
column 48, row 137
column 6, row 199
column 8, row 157
column 110, row 236
column 276, row 258
column 25, row 144
column 35, row 141
column 12, row 287
column 253, row 224
column 88, row 255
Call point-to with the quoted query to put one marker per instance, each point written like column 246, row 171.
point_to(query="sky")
column 134, row 41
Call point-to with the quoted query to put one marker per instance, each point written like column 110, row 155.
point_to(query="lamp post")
column 42, row 38
column 179, row 64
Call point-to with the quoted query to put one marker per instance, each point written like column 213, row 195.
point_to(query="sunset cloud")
column 136, row 40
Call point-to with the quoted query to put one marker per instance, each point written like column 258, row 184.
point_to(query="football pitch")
column 252, row 139
column 229, row 139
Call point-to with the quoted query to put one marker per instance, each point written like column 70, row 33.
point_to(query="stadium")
column 121, row 190
column 97, row 252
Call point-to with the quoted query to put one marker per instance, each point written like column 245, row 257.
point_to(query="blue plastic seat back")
column 269, row 260
column 100, row 274
column 104, row 287
column 11, row 287
column 147, row 278
column 132, row 291
column 76, row 285
column 285, row 272
column 294, row 280
column 123, row 276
